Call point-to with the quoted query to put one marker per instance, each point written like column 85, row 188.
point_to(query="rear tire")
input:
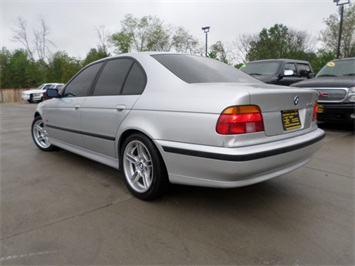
column 143, row 168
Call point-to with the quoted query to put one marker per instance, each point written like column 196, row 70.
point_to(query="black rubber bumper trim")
column 83, row 133
column 242, row 158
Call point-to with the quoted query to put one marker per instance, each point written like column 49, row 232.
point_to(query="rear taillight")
column 315, row 111
column 240, row 120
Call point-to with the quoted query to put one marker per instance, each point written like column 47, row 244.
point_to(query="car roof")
column 279, row 60
column 344, row 59
column 137, row 55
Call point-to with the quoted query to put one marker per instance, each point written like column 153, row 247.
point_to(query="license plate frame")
column 290, row 119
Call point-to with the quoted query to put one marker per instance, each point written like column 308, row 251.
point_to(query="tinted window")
column 81, row 84
column 291, row 66
column 46, row 87
column 261, row 68
column 136, row 81
column 338, row 69
column 304, row 69
column 113, row 77
column 196, row 69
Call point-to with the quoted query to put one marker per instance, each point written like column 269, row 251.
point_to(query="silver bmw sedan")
column 166, row 118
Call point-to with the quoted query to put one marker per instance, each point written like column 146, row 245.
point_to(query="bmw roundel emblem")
column 296, row 100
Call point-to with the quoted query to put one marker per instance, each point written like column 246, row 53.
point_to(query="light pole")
column 340, row 3
column 206, row 30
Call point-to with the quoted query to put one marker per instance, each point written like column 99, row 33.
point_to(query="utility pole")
column 340, row 3
column 206, row 30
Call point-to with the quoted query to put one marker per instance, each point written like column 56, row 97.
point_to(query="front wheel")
column 143, row 168
column 40, row 136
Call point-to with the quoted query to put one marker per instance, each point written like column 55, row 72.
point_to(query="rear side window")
column 135, row 82
column 304, row 69
column 81, row 83
column 113, row 77
column 196, row 69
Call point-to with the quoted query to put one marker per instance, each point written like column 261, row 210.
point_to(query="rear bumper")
column 336, row 112
column 234, row 167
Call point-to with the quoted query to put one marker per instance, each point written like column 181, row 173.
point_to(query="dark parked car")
column 279, row 71
column 335, row 84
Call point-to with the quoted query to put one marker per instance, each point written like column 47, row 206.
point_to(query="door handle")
column 76, row 107
column 121, row 107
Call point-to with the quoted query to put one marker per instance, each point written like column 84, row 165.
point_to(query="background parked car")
column 279, row 71
column 36, row 95
column 335, row 84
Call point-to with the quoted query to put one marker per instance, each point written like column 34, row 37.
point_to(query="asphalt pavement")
column 58, row 208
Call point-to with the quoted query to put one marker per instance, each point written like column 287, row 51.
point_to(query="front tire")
column 143, row 168
column 40, row 136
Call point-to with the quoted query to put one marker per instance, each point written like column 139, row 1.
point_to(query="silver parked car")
column 174, row 118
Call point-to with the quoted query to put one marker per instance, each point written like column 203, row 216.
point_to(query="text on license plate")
column 290, row 119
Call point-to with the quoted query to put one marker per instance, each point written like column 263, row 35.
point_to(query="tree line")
column 35, row 63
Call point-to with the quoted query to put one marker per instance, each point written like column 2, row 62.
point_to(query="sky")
column 73, row 23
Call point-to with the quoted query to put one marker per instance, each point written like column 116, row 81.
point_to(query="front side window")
column 112, row 77
column 47, row 87
column 81, row 84
column 291, row 66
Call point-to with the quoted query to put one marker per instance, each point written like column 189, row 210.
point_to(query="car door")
column 62, row 115
column 120, row 84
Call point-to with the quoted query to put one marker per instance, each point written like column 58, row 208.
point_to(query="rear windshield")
column 338, row 69
column 261, row 68
column 196, row 69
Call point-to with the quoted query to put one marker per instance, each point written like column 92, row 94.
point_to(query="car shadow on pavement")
column 339, row 126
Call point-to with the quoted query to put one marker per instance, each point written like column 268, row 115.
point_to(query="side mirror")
column 50, row 93
column 310, row 75
column 288, row 73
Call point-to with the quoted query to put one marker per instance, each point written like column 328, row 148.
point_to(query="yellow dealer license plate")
column 290, row 119
column 320, row 108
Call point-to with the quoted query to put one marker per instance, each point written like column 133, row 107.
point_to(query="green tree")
column 37, row 73
column 149, row 33
column 122, row 41
column 140, row 35
column 19, row 65
column 5, row 74
column 95, row 54
column 320, row 59
column 279, row 42
column 182, row 41
column 329, row 36
column 217, row 51
column 62, row 67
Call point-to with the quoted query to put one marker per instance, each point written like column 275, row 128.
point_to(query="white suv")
column 36, row 95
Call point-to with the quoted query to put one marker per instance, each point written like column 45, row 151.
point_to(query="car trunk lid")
column 284, row 110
